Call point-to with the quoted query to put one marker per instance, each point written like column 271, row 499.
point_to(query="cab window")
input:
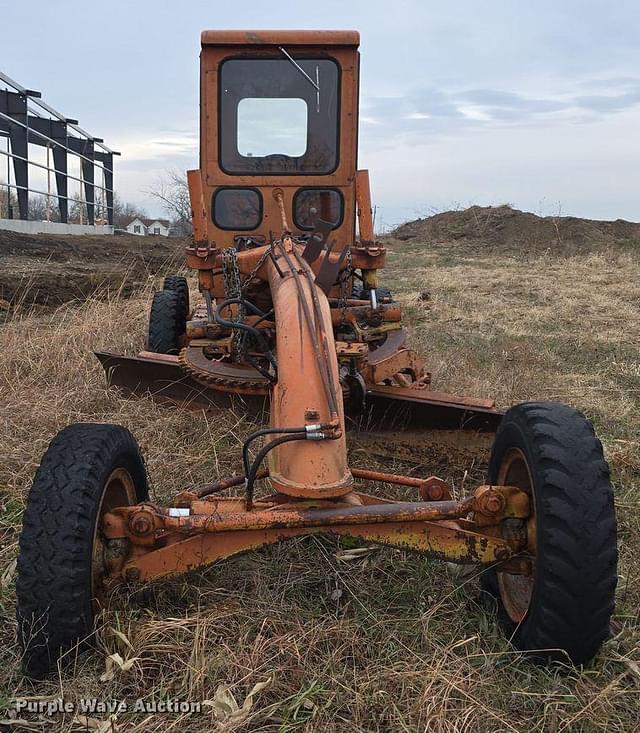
column 279, row 117
column 310, row 204
column 272, row 127
column 237, row 208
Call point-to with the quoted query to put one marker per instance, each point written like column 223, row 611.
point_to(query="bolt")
column 141, row 523
column 311, row 414
column 494, row 503
column 434, row 489
column 490, row 502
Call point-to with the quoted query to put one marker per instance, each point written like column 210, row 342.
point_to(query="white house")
column 152, row 227
column 136, row 226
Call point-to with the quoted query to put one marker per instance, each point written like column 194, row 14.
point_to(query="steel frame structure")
column 26, row 119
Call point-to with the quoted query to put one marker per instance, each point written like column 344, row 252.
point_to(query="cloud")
column 500, row 101
column 474, row 112
column 155, row 148
column 608, row 103
column 609, row 82
column 422, row 113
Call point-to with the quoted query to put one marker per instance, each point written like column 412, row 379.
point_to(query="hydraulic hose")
column 237, row 325
column 259, row 434
column 251, row 476
column 241, row 301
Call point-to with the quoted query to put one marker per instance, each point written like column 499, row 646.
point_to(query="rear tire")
column 180, row 286
column 165, row 325
column 87, row 470
column 563, row 609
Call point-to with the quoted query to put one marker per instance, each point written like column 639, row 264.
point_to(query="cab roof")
column 277, row 38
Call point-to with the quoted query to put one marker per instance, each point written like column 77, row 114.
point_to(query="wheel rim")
column 516, row 590
column 119, row 490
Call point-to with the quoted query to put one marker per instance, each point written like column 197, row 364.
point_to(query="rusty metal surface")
column 431, row 488
column 201, row 378
column 368, row 258
column 228, row 483
column 330, row 267
column 444, row 540
column 163, row 543
column 404, row 408
column 160, row 376
column 279, row 37
column 402, row 364
column 394, row 341
column 432, row 396
column 323, row 517
column 229, row 514
column 222, row 375
column 388, row 478
column 365, row 212
column 198, row 209
column 143, row 523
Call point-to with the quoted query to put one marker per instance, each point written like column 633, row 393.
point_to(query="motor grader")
column 293, row 316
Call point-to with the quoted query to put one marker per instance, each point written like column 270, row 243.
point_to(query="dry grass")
column 387, row 642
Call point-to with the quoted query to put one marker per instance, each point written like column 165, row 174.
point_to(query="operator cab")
column 278, row 112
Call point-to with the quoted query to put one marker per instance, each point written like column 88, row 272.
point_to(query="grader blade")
column 161, row 377
column 403, row 407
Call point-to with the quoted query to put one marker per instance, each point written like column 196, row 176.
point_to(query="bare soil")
column 51, row 270
column 500, row 227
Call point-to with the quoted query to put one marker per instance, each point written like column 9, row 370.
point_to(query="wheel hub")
column 119, row 490
column 516, row 590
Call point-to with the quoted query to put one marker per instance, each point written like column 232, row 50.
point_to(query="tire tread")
column 53, row 586
column 573, row 598
column 163, row 335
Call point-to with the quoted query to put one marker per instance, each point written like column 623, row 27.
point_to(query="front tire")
column 180, row 286
column 165, row 324
column 563, row 608
column 87, row 470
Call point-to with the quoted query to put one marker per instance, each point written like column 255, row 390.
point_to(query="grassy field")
column 378, row 641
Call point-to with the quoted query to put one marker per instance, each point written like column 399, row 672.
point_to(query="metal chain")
column 231, row 273
column 259, row 264
column 344, row 279
column 233, row 289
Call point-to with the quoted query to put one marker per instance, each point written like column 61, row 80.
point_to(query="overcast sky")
column 535, row 103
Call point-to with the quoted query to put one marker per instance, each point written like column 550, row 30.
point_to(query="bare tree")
column 124, row 212
column 172, row 191
column 39, row 208
column 8, row 203
column 77, row 210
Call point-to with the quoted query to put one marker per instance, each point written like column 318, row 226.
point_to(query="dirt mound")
column 504, row 227
column 51, row 270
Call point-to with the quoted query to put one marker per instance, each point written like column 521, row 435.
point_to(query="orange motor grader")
column 293, row 314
